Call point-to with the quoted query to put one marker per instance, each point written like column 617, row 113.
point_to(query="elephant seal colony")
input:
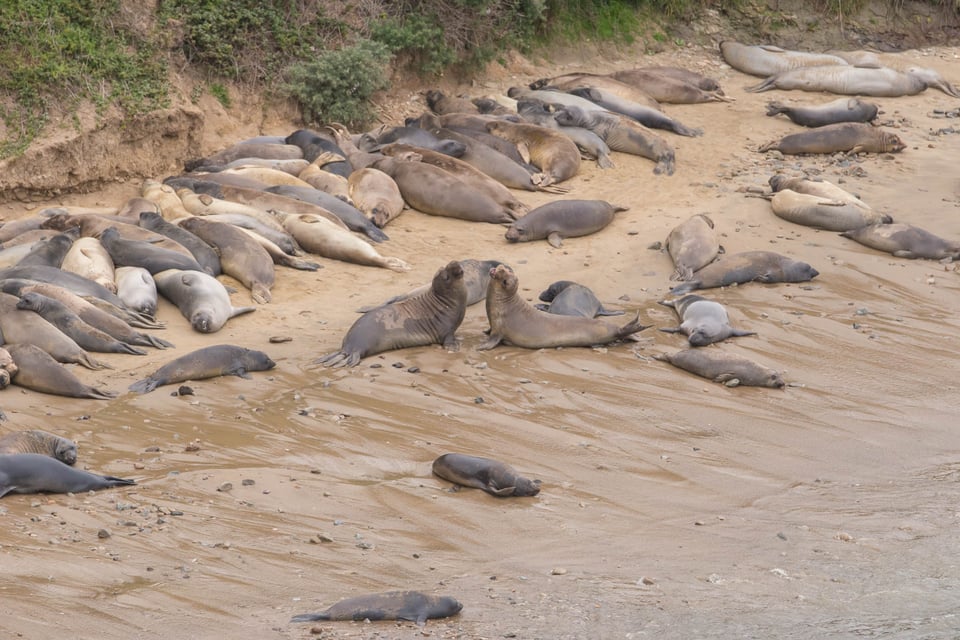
column 535, row 403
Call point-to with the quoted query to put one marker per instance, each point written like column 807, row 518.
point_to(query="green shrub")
column 419, row 39
column 337, row 85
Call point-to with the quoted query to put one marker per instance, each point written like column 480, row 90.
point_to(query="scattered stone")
column 103, row 534
column 226, row 486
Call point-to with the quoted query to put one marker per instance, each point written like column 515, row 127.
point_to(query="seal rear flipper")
column 113, row 481
column 310, row 617
column 609, row 312
column 493, row 341
column 670, row 329
column 452, row 343
column 143, row 386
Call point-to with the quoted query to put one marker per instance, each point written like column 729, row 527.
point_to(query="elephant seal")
column 87, row 257
column 550, row 151
column 201, row 298
column 702, row 321
column 21, row 326
column 648, row 117
column 208, row 362
column 241, row 256
column 514, row 321
column 349, row 214
column 315, row 144
column 561, row 219
column 495, row 477
column 376, row 194
column 37, row 473
column 666, row 89
column 823, row 213
column 725, row 368
column 876, row 82
column 429, row 318
column 905, row 241
column 442, row 104
column 394, row 605
column 8, row 369
column 622, row 134
column 476, row 277
column 822, row 188
column 571, row 81
column 568, row 298
column 87, row 336
column 42, row 442
column 833, row 112
column 849, row 137
column 766, row 60
column 140, row 253
column 590, row 144
column 748, row 266
column 137, row 288
column 272, row 150
column 38, row 371
column 52, row 250
column 204, row 254
column 692, row 245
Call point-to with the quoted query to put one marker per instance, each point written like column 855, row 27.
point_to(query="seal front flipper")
column 671, row 329
column 555, row 239
column 502, row 493
column 310, row 617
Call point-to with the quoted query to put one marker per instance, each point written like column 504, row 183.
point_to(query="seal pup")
column 833, row 112
column 87, row 336
column 568, row 298
column 692, row 245
column 905, row 241
column 849, row 137
column 37, row 473
column 207, row 362
column 495, row 477
column 137, row 288
column 42, row 442
column 666, row 89
column 375, row 194
column 876, row 82
column 823, row 188
column 201, row 298
column 731, row 370
column 748, row 266
column 432, row 317
column 702, row 321
column 87, row 257
column 823, row 213
column 38, row 371
column 394, row 605
column 561, row 219
column 514, row 321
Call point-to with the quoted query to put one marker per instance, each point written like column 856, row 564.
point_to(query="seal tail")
column 310, row 617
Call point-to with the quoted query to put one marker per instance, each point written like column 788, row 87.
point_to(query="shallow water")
column 671, row 506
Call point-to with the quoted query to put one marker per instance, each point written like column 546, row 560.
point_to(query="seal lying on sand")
column 208, row 362
column 766, row 60
column 569, row 298
column 494, row 477
column 429, row 318
column 748, row 266
column 878, row 82
column 514, row 321
column 905, row 241
column 561, row 219
column 394, row 605
column 38, row 371
column 724, row 368
column 702, row 321
column 839, row 110
column 850, row 137
column 37, row 473
column 42, row 442
column 692, row 245
column 823, row 213
column 201, row 298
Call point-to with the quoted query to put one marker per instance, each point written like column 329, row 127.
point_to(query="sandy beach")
column 671, row 506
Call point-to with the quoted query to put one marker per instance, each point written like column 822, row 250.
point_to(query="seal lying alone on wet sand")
column 394, row 605
column 702, row 321
column 37, row 473
column 748, row 266
column 208, row 362
column 725, row 368
column 495, row 477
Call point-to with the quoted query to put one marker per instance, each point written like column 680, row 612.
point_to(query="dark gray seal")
column 495, row 477
column 833, row 112
column 141, row 253
column 905, row 241
column 429, row 318
column 37, row 473
column 725, row 368
column 349, row 214
column 38, row 371
column 702, row 321
column 748, row 266
column 87, row 336
column 50, row 251
column 394, row 605
column 561, row 219
column 208, row 258
column 568, row 298
column 42, row 442
column 514, row 321
column 848, row 137
column 208, row 362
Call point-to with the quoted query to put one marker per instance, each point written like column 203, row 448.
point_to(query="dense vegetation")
column 330, row 56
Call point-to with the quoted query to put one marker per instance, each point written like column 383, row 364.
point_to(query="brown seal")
column 849, row 137
column 274, row 150
column 38, row 371
column 208, row 362
column 748, row 266
column 476, row 277
column 905, row 241
column 37, row 473
column 561, row 219
column 8, row 369
column 42, row 442
column 87, row 257
column 550, row 151
column 823, row 213
column 83, row 333
column 692, row 245
column 702, row 321
column 877, row 82
column 833, row 112
column 376, row 194
column 514, row 321
column 495, row 477
column 442, row 104
column 432, row 317
column 726, row 368
column 394, row 605
column 666, row 89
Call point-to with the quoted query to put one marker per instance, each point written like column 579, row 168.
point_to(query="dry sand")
column 672, row 507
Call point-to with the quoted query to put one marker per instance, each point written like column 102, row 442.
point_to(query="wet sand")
column 671, row 506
